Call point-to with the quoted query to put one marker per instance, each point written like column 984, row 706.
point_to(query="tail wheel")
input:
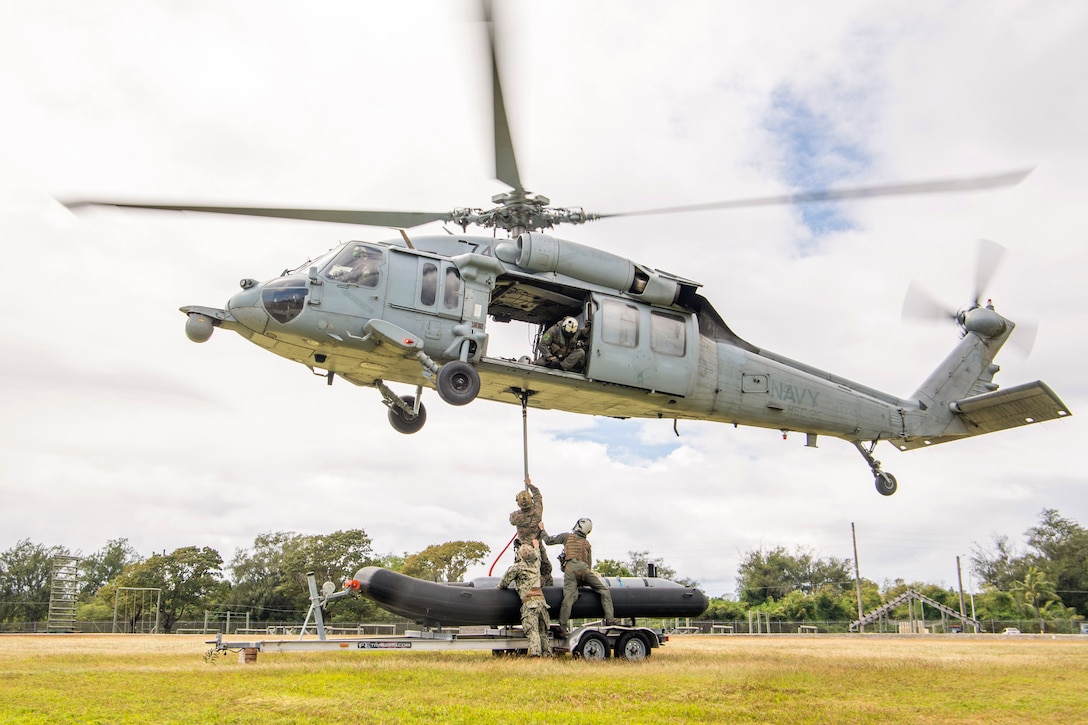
column 632, row 647
column 593, row 647
column 400, row 420
column 886, row 484
column 458, row 383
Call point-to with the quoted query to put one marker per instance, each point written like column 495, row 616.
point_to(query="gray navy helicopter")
column 415, row 311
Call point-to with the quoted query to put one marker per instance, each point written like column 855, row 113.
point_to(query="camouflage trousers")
column 576, row 573
column 535, row 623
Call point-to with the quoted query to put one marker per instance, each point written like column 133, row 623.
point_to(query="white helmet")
column 569, row 325
column 583, row 527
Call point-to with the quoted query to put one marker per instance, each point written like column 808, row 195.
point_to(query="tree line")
column 1045, row 580
column 266, row 581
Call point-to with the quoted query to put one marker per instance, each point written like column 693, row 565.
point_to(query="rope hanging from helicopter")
column 525, row 457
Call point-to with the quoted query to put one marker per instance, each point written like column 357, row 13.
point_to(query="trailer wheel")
column 632, row 647
column 593, row 647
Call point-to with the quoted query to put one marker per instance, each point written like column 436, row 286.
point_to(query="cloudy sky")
column 115, row 425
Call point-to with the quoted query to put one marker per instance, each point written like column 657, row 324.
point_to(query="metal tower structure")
column 63, row 590
column 909, row 597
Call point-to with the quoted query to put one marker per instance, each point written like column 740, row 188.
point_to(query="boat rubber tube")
column 481, row 602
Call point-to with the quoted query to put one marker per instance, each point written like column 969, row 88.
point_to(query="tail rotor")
column 979, row 315
column 990, row 255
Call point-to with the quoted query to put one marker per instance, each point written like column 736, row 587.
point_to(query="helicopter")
column 415, row 310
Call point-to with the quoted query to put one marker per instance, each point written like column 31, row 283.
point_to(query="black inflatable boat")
column 481, row 602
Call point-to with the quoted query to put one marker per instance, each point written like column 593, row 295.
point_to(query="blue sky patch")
column 816, row 155
column 622, row 439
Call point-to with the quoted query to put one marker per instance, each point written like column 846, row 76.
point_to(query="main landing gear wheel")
column 593, row 647
column 400, row 420
column 632, row 647
column 885, row 484
column 458, row 383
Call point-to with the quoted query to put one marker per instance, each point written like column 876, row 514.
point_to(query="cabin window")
column 667, row 334
column 356, row 264
column 428, row 291
column 619, row 323
column 451, row 297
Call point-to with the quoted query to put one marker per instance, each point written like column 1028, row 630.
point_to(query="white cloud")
column 116, row 425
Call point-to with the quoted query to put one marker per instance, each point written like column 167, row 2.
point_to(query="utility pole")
column 857, row 576
column 963, row 605
column 959, row 576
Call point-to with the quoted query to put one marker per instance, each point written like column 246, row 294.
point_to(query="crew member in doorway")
column 577, row 562
column 527, row 521
column 525, row 576
column 562, row 346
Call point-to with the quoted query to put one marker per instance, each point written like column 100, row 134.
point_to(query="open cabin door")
column 635, row 344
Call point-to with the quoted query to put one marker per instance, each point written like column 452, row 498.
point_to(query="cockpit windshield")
column 357, row 264
column 310, row 263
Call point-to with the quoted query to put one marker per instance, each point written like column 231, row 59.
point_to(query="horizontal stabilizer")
column 999, row 410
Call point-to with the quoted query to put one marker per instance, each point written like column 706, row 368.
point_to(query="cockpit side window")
column 357, row 264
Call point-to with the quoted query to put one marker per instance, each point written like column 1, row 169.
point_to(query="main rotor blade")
column 990, row 255
column 404, row 219
column 1010, row 178
column 506, row 163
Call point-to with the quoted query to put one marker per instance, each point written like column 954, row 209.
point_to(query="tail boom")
column 959, row 399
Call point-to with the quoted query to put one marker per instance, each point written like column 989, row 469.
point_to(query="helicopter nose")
column 245, row 306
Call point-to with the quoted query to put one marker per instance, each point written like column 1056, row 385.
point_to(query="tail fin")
column 968, row 370
column 959, row 399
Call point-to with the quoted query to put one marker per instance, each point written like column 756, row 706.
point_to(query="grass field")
column 721, row 679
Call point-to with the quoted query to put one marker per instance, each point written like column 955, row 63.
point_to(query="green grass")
column 165, row 679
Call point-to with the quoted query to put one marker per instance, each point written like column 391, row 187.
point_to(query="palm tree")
column 1035, row 591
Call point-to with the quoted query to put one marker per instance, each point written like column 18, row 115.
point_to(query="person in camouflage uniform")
column 527, row 521
column 562, row 346
column 525, row 576
column 577, row 561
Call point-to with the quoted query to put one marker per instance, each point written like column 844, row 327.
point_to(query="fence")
column 673, row 626
column 237, row 626
column 935, row 626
